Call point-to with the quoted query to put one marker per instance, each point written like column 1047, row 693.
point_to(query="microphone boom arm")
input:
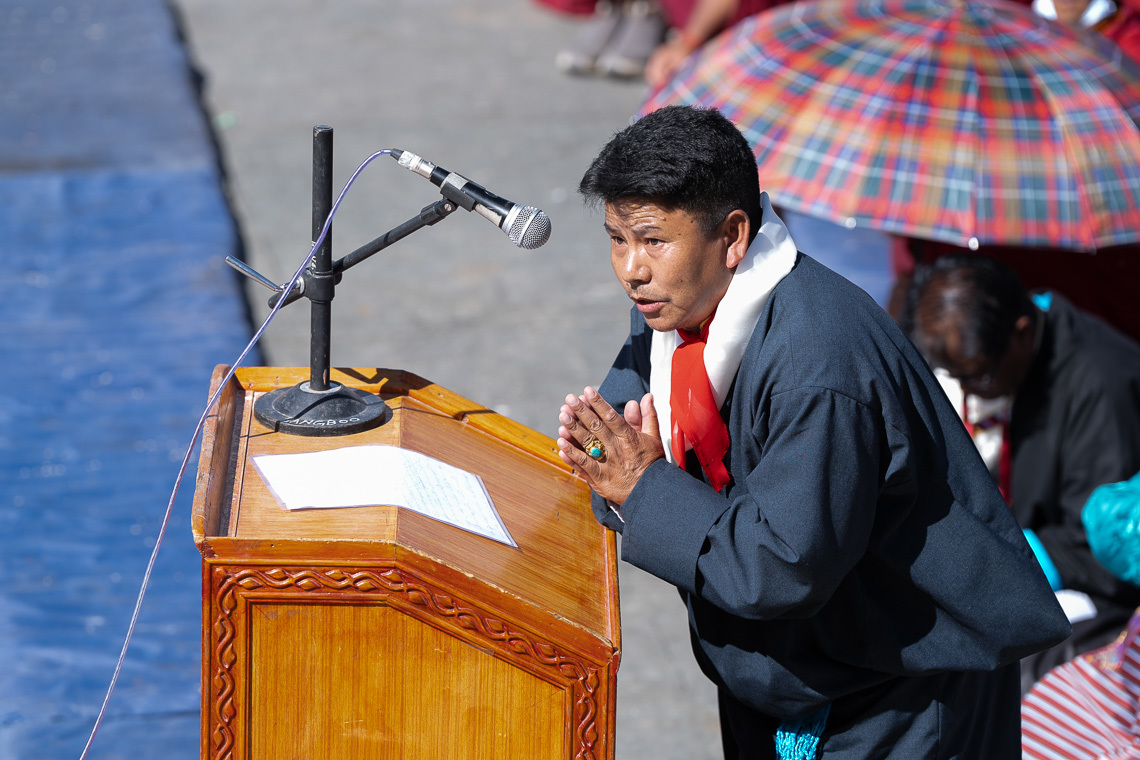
column 429, row 215
column 321, row 406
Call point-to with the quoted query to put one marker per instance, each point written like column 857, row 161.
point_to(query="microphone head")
column 530, row 227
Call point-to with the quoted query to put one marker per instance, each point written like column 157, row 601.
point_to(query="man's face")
column 673, row 272
column 983, row 376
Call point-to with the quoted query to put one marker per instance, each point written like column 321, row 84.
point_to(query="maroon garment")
column 676, row 11
column 1124, row 29
column 575, row 7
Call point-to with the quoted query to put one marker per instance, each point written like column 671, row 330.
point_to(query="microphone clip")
column 452, row 189
column 450, row 184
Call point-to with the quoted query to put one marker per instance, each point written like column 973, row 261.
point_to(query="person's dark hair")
column 982, row 296
column 679, row 157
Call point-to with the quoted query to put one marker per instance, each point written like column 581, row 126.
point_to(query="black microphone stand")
column 319, row 407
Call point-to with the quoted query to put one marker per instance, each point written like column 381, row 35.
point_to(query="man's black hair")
column 982, row 296
column 679, row 157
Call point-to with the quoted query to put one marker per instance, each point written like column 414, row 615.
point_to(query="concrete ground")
column 472, row 87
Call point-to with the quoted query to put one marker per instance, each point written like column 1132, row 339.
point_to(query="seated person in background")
column 1074, row 423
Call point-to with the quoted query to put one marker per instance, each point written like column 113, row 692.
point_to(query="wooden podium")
column 376, row 632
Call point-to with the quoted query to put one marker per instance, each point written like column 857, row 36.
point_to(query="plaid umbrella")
column 966, row 122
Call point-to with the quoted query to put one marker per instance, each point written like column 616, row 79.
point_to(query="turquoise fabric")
column 1052, row 574
column 1111, row 517
column 799, row 739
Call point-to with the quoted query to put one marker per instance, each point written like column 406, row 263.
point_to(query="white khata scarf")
column 768, row 260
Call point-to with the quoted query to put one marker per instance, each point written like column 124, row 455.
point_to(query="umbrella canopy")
column 965, row 122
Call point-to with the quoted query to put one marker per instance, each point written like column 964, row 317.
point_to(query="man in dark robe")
column 1074, row 424
column 856, row 586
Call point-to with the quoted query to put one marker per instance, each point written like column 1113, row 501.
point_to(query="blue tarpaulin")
column 115, row 307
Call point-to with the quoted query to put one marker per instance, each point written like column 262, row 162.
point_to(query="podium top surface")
column 565, row 562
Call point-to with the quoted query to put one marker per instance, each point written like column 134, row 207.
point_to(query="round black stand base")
column 338, row 411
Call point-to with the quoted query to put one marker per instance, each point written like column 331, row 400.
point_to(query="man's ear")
column 1024, row 333
column 736, row 229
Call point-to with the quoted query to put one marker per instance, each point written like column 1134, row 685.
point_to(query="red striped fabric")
column 1087, row 709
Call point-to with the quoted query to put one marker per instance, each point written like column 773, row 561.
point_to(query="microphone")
column 526, row 226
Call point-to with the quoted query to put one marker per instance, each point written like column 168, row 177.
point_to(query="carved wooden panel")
column 236, row 591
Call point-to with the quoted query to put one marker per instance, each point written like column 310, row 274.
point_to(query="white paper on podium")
column 358, row 476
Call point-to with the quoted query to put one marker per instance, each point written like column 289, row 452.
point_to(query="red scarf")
column 696, row 417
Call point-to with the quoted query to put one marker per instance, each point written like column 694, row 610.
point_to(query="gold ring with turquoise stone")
column 595, row 449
